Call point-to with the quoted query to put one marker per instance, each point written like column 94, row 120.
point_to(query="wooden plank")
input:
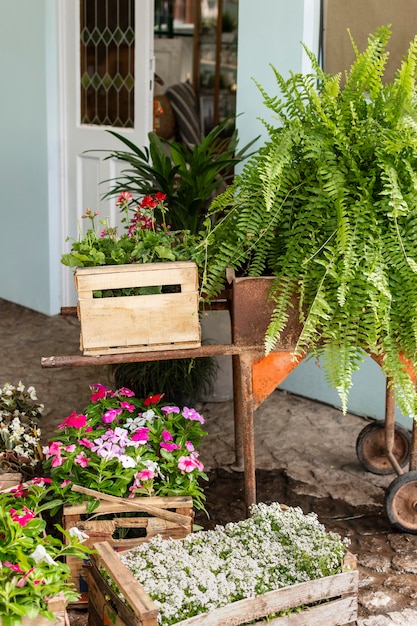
column 162, row 502
column 139, row 320
column 334, row 613
column 138, row 599
column 279, row 600
column 138, row 504
column 90, row 279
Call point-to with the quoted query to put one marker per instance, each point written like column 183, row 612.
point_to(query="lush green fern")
column 329, row 205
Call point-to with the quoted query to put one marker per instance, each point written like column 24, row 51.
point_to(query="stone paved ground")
column 313, row 445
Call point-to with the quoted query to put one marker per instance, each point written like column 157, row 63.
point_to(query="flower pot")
column 172, row 518
column 138, row 323
column 339, row 593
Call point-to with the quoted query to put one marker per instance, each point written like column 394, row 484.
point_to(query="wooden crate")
column 161, row 321
column 339, row 593
column 148, row 516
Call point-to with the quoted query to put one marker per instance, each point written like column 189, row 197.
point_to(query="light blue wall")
column 28, row 54
column 270, row 32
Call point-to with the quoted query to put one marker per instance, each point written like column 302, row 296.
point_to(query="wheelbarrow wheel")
column 370, row 448
column 401, row 502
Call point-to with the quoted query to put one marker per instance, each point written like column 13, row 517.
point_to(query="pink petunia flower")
column 73, row 421
column 169, row 446
column 38, row 480
column 24, row 518
column 82, row 460
column 110, row 415
column 141, row 435
column 124, row 391
column 189, row 463
column 126, row 406
column 166, row 435
column 57, row 461
column 170, row 409
column 99, row 392
column 85, row 442
column 15, row 567
column 192, row 414
column 145, row 474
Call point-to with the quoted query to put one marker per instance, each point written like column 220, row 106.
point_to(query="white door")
column 106, row 70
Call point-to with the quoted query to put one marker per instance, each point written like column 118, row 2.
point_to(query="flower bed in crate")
column 279, row 565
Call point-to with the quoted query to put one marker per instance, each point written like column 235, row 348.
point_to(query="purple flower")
column 170, row 409
column 192, row 414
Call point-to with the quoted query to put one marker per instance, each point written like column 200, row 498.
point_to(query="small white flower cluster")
column 19, row 430
column 274, row 548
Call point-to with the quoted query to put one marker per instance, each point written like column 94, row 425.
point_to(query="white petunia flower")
column 40, row 555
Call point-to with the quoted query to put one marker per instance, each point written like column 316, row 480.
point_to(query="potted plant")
column 189, row 176
column 20, row 449
column 327, row 206
column 277, row 563
column 127, row 469
column 32, row 571
column 126, row 447
column 137, row 290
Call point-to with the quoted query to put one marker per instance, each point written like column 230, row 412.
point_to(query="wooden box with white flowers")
column 279, row 566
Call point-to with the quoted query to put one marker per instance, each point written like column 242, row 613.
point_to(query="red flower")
column 153, row 399
column 148, row 202
column 160, row 197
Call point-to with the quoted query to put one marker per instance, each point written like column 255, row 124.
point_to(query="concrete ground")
column 311, row 443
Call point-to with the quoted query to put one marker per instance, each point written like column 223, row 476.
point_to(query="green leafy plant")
column 144, row 240
column 124, row 446
column 274, row 548
column 20, row 413
column 328, row 206
column 183, row 380
column 189, row 176
column 31, row 567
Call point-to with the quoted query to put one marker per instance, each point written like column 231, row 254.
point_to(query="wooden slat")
column 279, row 600
column 163, row 502
column 89, row 279
column 138, row 599
column 139, row 504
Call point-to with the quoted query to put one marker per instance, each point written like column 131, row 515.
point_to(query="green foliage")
column 183, row 380
column 33, row 568
column 189, row 176
column 328, row 206
column 144, row 240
